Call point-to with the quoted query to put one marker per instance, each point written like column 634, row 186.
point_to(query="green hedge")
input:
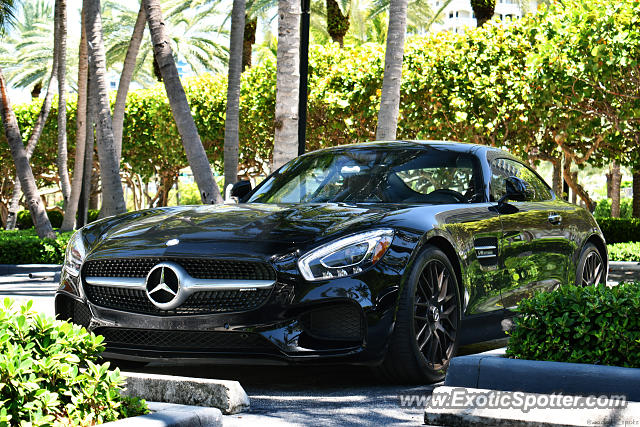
column 598, row 325
column 25, row 247
column 603, row 208
column 620, row 230
column 629, row 251
column 50, row 373
column 24, row 221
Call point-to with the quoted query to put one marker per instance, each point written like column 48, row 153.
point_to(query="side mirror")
column 517, row 190
column 240, row 189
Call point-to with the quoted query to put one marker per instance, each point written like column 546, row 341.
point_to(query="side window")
column 504, row 168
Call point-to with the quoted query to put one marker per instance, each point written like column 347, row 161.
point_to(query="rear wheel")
column 425, row 334
column 590, row 267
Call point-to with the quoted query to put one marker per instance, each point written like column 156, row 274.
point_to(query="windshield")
column 375, row 175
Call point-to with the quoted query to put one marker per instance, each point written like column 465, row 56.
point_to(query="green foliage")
column 620, row 230
column 629, row 251
column 24, row 221
column 25, row 247
column 603, row 208
column 598, row 325
column 50, row 373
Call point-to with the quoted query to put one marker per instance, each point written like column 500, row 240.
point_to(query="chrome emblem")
column 163, row 286
column 172, row 242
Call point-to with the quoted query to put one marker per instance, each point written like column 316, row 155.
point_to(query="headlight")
column 75, row 254
column 345, row 257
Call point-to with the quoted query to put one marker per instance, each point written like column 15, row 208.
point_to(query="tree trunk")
column 61, row 40
column 484, row 10
column 196, row 155
column 285, row 143
column 557, row 177
column 112, row 196
column 636, row 194
column 616, row 178
column 574, row 195
column 37, row 89
column 249, row 38
column 608, row 177
column 390, row 97
column 125, row 79
column 38, row 127
column 23, row 169
column 337, row 22
column 70, row 212
column 582, row 193
column 232, row 120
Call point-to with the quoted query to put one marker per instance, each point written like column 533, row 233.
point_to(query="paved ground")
column 328, row 396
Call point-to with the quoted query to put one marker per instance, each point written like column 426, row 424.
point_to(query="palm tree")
column 196, row 155
column 70, row 212
column 337, row 20
column 390, row 97
column 285, row 143
column 61, row 40
column 112, row 194
column 12, row 133
column 232, row 119
column 483, row 9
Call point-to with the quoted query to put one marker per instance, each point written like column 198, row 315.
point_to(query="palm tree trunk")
column 23, row 169
column 112, row 196
column 337, row 22
column 250, row 26
column 81, row 133
column 390, row 97
column 38, row 127
column 285, row 143
column 483, row 9
column 63, row 171
column 125, row 79
column 232, row 120
column 196, row 155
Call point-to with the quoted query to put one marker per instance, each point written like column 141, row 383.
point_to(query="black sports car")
column 389, row 254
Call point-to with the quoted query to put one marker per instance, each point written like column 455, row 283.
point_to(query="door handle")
column 555, row 219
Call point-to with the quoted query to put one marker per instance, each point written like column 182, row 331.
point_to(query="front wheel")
column 425, row 334
column 590, row 267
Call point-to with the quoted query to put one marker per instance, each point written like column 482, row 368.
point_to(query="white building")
column 459, row 14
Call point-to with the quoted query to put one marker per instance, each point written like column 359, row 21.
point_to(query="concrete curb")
column 534, row 376
column 624, row 271
column 172, row 415
column 228, row 396
column 449, row 406
column 6, row 269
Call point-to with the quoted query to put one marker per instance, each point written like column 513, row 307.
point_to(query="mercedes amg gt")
column 387, row 254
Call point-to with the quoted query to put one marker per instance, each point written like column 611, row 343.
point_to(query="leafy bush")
column 24, row 221
column 620, row 230
column 25, row 247
column 50, row 373
column 603, row 208
column 598, row 325
column 629, row 251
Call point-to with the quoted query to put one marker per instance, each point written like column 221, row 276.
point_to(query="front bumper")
column 347, row 320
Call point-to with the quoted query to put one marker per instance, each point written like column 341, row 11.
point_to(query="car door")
column 534, row 250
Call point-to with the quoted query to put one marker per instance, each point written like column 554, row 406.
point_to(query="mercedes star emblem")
column 163, row 286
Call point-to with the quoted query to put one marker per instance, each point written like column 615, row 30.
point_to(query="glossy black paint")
column 531, row 252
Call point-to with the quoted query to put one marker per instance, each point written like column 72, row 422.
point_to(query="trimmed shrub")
column 603, row 208
column 24, row 221
column 25, row 247
column 629, row 251
column 593, row 324
column 620, row 230
column 50, row 373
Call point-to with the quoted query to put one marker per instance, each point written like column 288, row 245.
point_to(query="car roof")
column 476, row 149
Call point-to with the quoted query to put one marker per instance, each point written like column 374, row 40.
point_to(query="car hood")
column 278, row 227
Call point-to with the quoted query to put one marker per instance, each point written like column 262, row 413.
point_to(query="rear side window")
column 504, row 168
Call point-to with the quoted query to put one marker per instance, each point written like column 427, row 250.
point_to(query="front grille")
column 72, row 310
column 340, row 322
column 196, row 267
column 202, row 341
column 203, row 302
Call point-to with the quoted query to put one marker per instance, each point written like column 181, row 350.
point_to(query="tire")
column 413, row 356
column 588, row 273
